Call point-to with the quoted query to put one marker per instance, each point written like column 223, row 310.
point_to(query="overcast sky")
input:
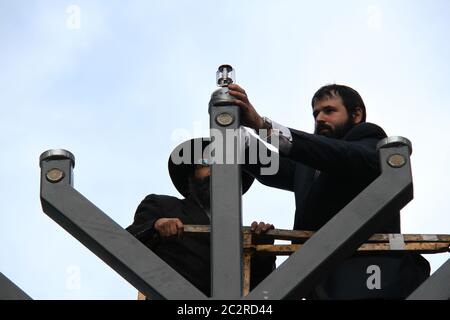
column 120, row 84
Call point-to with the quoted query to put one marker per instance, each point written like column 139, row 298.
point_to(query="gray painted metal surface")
column 104, row 237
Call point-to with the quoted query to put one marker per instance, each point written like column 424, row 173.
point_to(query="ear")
column 357, row 115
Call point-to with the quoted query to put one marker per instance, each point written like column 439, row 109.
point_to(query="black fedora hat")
column 180, row 172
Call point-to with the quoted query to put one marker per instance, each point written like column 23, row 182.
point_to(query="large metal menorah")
column 335, row 241
column 295, row 278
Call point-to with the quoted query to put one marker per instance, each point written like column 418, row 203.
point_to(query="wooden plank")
column 247, row 239
column 412, row 238
column 141, row 296
column 420, row 243
column 193, row 228
column 297, row 235
column 420, row 247
column 247, row 267
column 303, row 236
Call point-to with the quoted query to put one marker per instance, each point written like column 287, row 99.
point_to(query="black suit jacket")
column 326, row 174
column 190, row 256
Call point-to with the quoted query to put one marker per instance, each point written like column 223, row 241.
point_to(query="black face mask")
column 338, row 132
column 199, row 189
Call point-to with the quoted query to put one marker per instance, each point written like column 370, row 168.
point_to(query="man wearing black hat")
column 159, row 221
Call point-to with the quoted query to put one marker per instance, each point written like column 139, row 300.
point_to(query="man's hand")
column 260, row 229
column 250, row 117
column 168, row 227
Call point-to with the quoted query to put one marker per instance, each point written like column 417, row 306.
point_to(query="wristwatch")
column 267, row 123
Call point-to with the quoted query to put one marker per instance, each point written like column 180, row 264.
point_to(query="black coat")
column 190, row 256
column 326, row 174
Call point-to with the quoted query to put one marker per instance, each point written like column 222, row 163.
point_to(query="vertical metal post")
column 226, row 219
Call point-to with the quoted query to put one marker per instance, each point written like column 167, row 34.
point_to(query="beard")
column 338, row 132
column 199, row 189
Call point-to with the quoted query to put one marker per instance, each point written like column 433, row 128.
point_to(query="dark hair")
column 350, row 98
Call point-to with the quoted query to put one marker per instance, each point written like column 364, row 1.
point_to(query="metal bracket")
column 436, row 287
column 104, row 237
column 346, row 231
column 9, row 291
